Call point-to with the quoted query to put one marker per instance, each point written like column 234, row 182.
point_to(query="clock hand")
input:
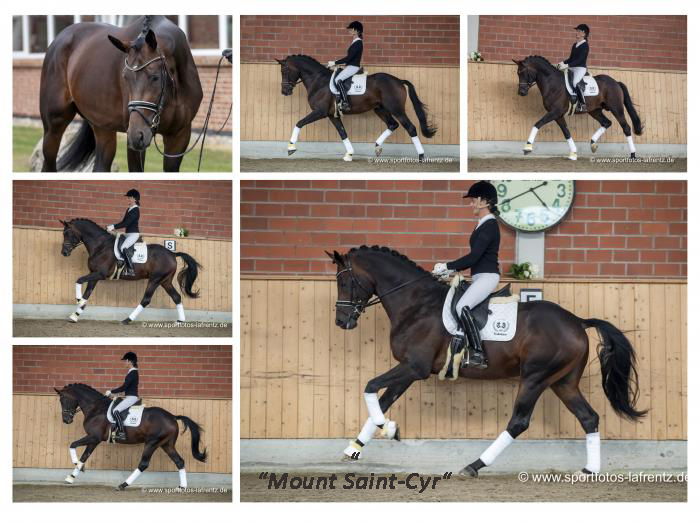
column 544, row 183
column 538, row 198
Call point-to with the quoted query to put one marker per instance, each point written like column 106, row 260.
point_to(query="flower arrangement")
column 181, row 232
column 523, row 271
column 475, row 56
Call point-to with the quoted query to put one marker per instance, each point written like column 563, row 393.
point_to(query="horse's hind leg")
column 148, row 450
column 55, row 124
column 167, row 285
column 169, row 449
column 567, row 135
column 605, row 123
column 619, row 113
column 344, row 137
column 412, row 132
column 391, row 126
column 528, row 394
column 148, row 294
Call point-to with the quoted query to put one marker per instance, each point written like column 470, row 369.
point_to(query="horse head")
column 291, row 75
column 146, row 77
column 355, row 289
column 72, row 237
column 527, row 76
column 69, row 404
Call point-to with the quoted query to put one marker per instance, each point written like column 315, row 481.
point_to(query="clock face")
column 533, row 205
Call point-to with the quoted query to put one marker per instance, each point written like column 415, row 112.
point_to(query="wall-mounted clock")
column 534, row 205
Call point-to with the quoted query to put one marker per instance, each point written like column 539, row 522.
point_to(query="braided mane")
column 86, row 389
column 394, row 254
column 88, row 221
column 311, row 59
column 542, row 59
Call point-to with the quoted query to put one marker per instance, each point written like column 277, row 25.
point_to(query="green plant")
column 523, row 271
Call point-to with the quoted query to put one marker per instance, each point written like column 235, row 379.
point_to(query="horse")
column 549, row 350
column 159, row 267
column 158, row 429
column 385, row 94
column 613, row 96
column 140, row 79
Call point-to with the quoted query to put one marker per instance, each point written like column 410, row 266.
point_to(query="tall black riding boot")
column 345, row 104
column 477, row 357
column 121, row 433
column 582, row 100
column 129, row 266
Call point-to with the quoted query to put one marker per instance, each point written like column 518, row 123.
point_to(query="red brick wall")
column 164, row 371
column 388, row 40
column 203, row 207
column 645, row 42
column 615, row 228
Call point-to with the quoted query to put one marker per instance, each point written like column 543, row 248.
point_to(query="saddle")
column 481, row 311
column 122, row 414
column 587, row 87
column 136, row 253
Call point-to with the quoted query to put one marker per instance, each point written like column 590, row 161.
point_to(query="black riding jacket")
column 354, row 55
column 130, row 220
column 483, row 245
column 578, row 55
column 131, row 384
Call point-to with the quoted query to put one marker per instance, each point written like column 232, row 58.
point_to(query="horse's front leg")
column 567, row 135
column 549, row 117
column 344, row 137
column 175, row 145
column 316, row 114
column 90, row 443
column 136, row 160
column 81, row 299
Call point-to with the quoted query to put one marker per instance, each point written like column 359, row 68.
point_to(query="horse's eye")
column 155, row 78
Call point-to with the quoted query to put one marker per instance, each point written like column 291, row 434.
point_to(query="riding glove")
column 441, row 269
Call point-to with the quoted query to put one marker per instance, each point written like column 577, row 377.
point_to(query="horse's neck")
column 386, row 280
column 94, row 239
column 310, row 76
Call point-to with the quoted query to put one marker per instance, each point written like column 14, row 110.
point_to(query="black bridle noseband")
column 155, row 107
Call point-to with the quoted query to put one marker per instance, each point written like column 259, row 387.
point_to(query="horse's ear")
column 62, row 222
column 282, row 62
column 57, row 391
column 119, row 44
column 151, row 40
column 337, row 257
column 517, row 61
column 329, row 255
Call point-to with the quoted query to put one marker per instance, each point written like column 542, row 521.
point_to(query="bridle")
column 288, row 83
column 71, row 411
column 72, row 246
column 156, row 107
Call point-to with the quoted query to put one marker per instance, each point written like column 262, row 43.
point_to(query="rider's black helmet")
column 482, row 189
column 133, row 193
column 584, row 28
column 130, row 356
column 357, row 26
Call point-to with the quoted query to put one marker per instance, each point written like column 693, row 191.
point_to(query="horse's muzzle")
column 346, row 324
column 67, row 420
column 139, row 138
column 522, row 92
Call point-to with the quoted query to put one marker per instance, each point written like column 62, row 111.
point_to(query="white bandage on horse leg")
column 572, row 145
column 348, row 146
column 367, row 432
column 533, row 134
column 78, row 291
column 135, row 474
column 418, row 145
column 599, row 133
column 295, row 135
column 383, row 137
column 76, row 470
column 630, row 143
column 490, row 454
column 375, row 412
column 593, row 452
column 133, row 315
column 180, row 312
column 73, row 455
column 183, row 477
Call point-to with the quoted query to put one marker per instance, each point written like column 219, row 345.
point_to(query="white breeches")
column 578, row 72
column 126, row 403
column 129, row 240
column 347, row 72
column 482, row 285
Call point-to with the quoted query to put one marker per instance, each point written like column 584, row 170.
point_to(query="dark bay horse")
column 140, row 79
column 385, row 95
column 612, row 96
column 158, row 429
column 159, row 268
column 549, row 350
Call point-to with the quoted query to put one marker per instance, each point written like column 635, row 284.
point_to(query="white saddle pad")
column 591, row 89
column 359, row 84
column 140, row 251
column 133, row 418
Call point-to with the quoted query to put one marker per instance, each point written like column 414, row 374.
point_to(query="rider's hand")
column 561, row 65
column 110, row 228
column 108, row 393
column 440, row 269
column 331, row 63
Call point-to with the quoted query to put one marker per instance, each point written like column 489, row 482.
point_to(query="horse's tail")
column 629, row 106
column 619, row 373
column 421, row 109
column 81, row 147
column 196, row 431
column 188, row 275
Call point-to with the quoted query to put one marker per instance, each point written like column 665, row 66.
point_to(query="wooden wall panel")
column 496, row 112
column 268, row 115
column 40, row 439
column 41, row 275
column 309, row 374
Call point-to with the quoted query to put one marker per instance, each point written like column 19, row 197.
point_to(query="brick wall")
column 164, row 371
column 203, row 207
column 389, row 40
column 645, row 42
column 26, row 74
column 615, row 228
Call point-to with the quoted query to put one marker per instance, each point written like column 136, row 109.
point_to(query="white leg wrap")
column 367, row 432
column 418, row 145
column 383, row 137
column 593, row 452
column 73, row 455
column 180, row 312
column 630, row 143
column 76, row 470
column 183, row 477
column 533, row 134
column 348, row 146
column 78, row 291
column 135, row 474
column 133, row 315
column 572, row 145
column 599, row 133
column 78, row 311
column 375, row 412
column 490, row 454
column 295, row 135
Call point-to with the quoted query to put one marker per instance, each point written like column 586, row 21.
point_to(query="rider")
column 352, row 61
column 577, row 62
column 131, row 224
column 130, row 387
column 484, row 243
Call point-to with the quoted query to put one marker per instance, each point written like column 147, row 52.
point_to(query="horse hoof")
column 122, row 486
column 527, row 148
column 347, row 157
column 73, row 318
column 572, row 156
column 421, row 157
column 397, row 436
column 126, row 321
column 69, row 479
column 468, row 472
column 377, row 150
column 348, row 458
column 594, row 146
column 633, row 155
column 291, row 149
